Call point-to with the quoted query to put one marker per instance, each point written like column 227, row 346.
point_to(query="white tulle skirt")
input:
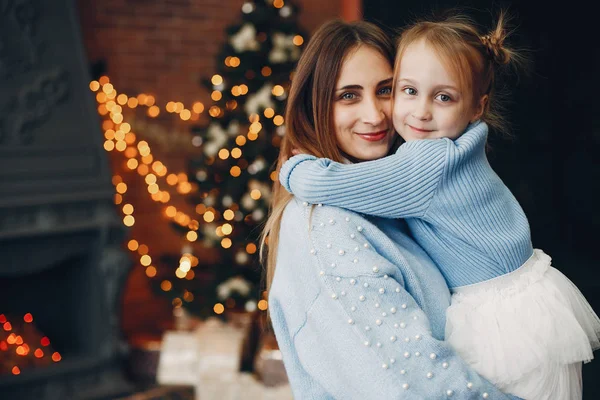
column 527, row 332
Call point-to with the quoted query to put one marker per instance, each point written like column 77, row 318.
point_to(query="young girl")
column 518, row 321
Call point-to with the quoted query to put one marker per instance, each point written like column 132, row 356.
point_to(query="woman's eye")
column 385, row 91
column 348, row 96
column 444, row 98
column 410, row 91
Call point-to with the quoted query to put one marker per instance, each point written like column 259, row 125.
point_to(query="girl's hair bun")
column 494, row 42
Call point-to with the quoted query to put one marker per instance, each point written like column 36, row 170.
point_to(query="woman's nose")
column 374, row 112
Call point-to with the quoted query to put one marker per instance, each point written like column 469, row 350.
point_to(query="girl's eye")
column 348, row 96
column 410, row 91
column 444, row 98
column 385, row 91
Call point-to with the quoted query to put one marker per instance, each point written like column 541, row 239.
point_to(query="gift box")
column 210, row 358
column 268, row 363
column 142, row 362
column 163, row 393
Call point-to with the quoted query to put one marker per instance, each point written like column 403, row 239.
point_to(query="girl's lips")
column 419, row 130
column 373, row 137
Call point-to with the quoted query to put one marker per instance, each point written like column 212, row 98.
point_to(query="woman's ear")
column 480, row 108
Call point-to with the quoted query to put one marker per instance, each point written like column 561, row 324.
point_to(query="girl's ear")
column 480, row 108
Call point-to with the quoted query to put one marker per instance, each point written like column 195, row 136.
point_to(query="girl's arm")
column 399, row 186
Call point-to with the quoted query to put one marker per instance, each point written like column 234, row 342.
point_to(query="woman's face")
column 363, row 105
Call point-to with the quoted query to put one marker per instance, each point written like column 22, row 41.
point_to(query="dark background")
column 550, row 163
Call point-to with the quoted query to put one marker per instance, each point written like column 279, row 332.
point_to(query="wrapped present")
column 163, row 393
column 268, row 363
column 179, row 361
column 142, row 363
column 244, row 387
column 220, row 349
column 210, row 358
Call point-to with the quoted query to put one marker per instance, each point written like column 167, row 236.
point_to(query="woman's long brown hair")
column 309, row 110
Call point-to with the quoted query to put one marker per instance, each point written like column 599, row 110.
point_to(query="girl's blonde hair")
column 309, row 110
column 474, row 58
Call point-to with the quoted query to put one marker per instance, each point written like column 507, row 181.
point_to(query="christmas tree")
column 238, row 145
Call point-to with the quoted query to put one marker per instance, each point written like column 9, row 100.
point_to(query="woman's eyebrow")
column 356, row 87
column 359, row 87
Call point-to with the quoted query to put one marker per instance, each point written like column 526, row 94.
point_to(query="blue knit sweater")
column 358, row 311
column 456, row 206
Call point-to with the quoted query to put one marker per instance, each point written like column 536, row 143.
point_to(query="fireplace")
column 69, row 282
column 61, row 263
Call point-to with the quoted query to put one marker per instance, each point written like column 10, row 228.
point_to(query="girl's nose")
column 422, row 111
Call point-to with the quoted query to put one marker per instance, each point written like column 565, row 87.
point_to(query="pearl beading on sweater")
column 390, row 361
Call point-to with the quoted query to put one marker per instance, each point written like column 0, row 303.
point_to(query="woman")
column 357, row 307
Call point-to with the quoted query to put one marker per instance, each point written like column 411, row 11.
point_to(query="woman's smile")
column 373, row 136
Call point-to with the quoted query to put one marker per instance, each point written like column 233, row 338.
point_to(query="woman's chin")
column 369, row 155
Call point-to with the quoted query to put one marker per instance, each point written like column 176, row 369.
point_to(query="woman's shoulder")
column 298, row 210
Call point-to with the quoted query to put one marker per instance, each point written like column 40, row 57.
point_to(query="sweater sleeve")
column 398, row 186
column 365, row 324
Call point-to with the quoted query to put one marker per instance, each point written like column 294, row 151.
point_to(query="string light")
column 186, row 114
column 209, row 216
column 192, row 236
column 223, row 154
column 251, row 248
column 235, row 171
column 198, row 107
column 263, row 305
column 255, row 194
column 119, row 136
column 298, row 40
column 218, row 308
column 240, row 140
column 23, row 342
column 226, row 229
column 266, row 71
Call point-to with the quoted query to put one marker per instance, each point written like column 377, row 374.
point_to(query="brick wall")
column 163, row 48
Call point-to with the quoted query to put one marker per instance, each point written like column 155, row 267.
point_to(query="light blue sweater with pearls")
column 456, row 206
column 358, row 310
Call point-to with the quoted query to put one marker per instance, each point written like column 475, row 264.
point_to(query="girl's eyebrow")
column 447, row 87
column 407, row 80
column 438, row 87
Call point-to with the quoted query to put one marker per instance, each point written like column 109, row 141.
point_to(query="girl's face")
column 429, row 102
column 362, row 105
